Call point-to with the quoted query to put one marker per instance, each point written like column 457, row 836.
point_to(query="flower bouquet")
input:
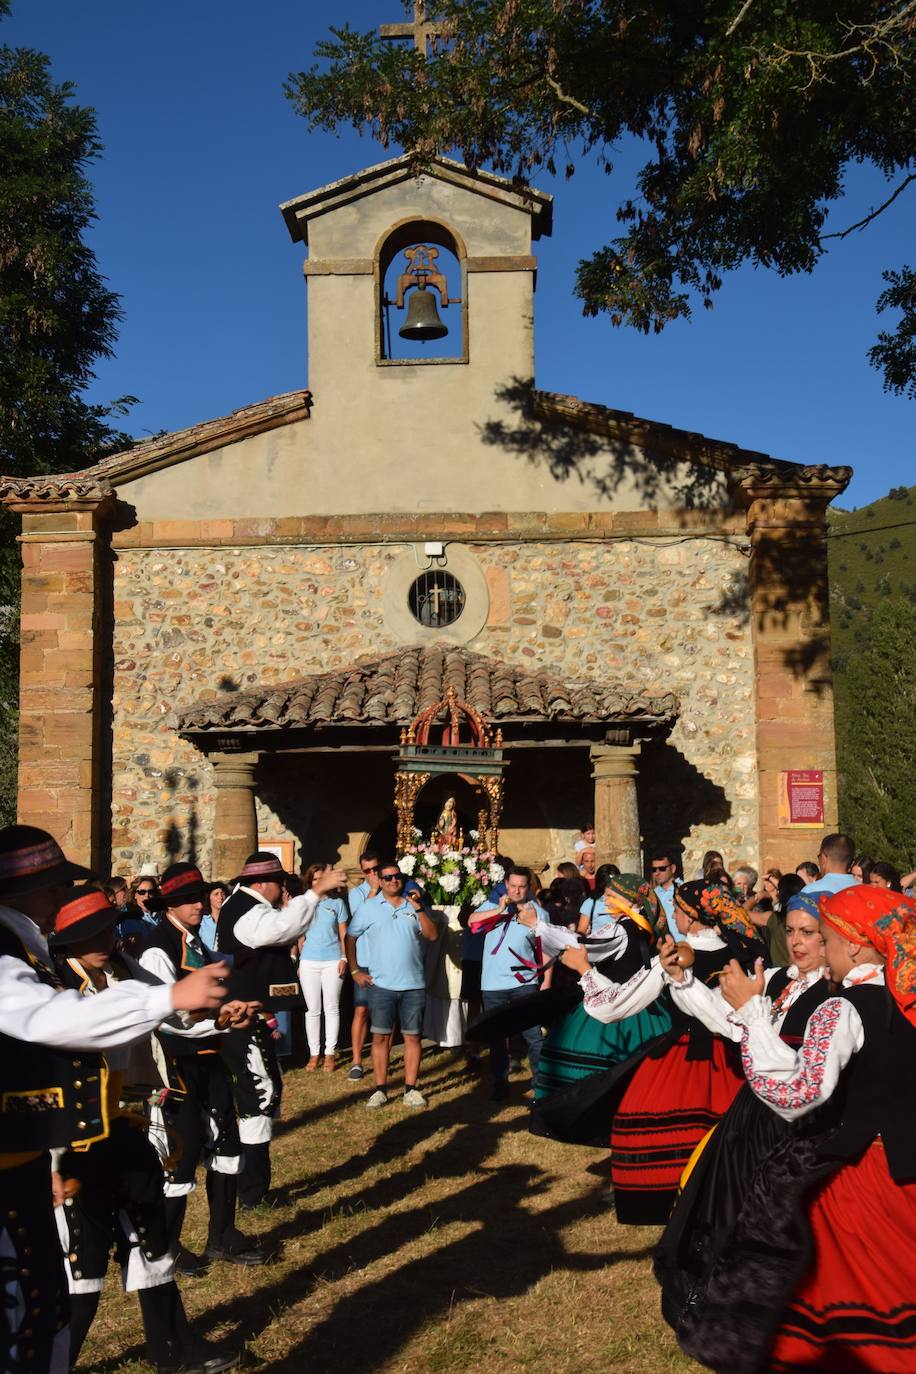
column 451, row 876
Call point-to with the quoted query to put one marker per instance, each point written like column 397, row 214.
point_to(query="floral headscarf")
column 885, row 920
column 712, row 904
column 634, row 892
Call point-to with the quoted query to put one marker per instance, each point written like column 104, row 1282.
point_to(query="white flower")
column 474, row 834
column 415, row 830
column 478, row 899
column 450, row 882
column 471, row 863
column 432, row 859
column 497, row 873
column 407, row 863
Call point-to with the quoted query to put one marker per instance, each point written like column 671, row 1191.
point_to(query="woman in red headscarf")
column 818, row 1272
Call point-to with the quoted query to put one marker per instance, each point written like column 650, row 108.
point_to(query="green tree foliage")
column 895, row 352
column 57, row 318
column 877, row 796
column 750, row 113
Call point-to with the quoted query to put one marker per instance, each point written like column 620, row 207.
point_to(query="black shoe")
column 189, row 1265
column 500, row 1092
column 200, row 1358
column 237, row 1249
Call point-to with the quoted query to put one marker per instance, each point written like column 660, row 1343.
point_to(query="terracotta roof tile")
column 396, row 687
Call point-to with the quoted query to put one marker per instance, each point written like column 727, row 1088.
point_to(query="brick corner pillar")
column 65, row 546
column 235, row 821
column 614, row 768
column 791, row 627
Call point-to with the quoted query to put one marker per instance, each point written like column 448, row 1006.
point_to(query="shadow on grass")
column 510, row 1246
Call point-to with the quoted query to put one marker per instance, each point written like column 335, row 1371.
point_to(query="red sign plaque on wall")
column 801, row 798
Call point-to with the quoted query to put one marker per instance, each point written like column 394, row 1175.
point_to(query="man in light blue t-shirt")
column 391, row 929
column 509, row 948
column 834, row 859
column 664, row 881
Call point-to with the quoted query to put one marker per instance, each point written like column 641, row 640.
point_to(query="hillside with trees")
column 872, row 565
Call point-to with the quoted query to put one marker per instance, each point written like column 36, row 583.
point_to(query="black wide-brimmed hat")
column 262, row 867
column 31, row 859
column 179, row 884
column 83, row 915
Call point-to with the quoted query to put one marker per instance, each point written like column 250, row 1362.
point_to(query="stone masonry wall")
column 662, row 616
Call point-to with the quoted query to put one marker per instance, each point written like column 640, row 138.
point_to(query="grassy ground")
column 438, row 1240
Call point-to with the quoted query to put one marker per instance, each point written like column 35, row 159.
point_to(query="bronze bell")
column 423, row 322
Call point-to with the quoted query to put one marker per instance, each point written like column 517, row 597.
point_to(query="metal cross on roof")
column 421, row 29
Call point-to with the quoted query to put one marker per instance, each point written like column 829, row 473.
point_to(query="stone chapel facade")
column 224, row 630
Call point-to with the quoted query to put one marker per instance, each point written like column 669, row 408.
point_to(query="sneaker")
column 414, row 1098
column 355, row 1074
column 378, row 1099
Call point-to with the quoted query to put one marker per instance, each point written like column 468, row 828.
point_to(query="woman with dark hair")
column 786, row 888
column 861, row 867
column 594, row 913
column 885, row 875
column 670, row 1093
column 815, row 1273
column 322, row 965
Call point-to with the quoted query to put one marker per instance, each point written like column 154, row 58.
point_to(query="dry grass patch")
column 442, row 1240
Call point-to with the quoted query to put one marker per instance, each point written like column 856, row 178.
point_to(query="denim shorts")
column 360, row 995
column 386, row 1006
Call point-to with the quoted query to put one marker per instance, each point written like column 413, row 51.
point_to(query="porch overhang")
column 366, row 704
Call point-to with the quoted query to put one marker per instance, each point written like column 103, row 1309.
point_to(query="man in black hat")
column 201, row 1110
column 120, row 1203
column 51, row 1085
column 258, row 934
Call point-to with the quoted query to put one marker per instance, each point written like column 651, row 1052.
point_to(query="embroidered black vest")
column 266, row 975
column 876, row 1095
column 795, row 1020
column 173, row 943
column 49, row 1098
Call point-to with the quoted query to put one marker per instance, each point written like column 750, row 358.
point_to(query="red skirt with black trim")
column 667, row 1108
column 856, row 1310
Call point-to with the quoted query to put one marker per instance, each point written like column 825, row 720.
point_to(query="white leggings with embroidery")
column 321, row 983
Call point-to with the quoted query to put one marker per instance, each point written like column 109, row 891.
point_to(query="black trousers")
column 33, row 1284
column 257, row 1088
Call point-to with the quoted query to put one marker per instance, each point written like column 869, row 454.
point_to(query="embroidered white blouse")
column 792, row 1082
column 608, row 1001
column 709, row 1006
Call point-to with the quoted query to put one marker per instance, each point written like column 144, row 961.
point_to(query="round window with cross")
column 436, row 599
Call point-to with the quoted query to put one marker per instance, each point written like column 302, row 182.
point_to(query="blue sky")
column 201, row 146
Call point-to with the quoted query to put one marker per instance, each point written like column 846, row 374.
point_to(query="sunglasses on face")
column 390, row 877
column 660, row 868
column 146, row 891
column 372, row 869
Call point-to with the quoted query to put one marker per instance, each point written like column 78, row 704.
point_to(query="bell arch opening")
column 421, row 295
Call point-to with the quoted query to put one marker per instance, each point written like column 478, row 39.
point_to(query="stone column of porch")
column 614, row 769
column 235, row 822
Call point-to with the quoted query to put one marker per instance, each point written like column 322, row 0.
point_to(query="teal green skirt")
column 579, row 1045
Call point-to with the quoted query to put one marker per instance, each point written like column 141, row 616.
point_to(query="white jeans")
column 321, row 982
